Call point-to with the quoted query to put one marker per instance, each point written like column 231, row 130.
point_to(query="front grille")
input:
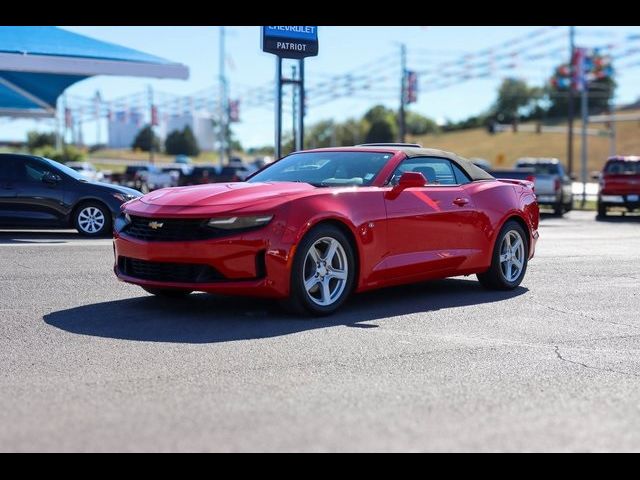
column 169, row 230
column 168, row 272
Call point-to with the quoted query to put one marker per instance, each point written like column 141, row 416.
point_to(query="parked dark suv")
column 38, row 192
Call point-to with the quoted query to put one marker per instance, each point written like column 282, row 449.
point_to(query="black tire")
column 167, row 292
column 299, row 301
column 88, row 229
column 602, row 210
column 558, row 209
column 494, row 278
column 569, row 205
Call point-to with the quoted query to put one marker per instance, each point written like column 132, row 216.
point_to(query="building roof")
column 38, row 63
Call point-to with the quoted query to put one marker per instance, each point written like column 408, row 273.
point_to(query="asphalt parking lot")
column 91, row 364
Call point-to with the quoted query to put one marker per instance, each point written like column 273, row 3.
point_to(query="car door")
column 432, row 228
column 39, row 193
column 7, row 190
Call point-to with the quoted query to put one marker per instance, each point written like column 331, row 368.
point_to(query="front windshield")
column 326, row 169
column 64, row 169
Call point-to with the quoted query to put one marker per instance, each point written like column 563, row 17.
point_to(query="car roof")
column 624, row 158
column 539, row 160
column 472, row 170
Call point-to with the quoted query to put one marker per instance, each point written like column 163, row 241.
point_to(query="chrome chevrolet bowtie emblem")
column 156, row 225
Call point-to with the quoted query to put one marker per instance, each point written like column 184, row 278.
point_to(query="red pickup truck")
column 620, row 184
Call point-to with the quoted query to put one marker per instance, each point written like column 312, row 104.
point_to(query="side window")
column 7, row 169
column 437, row 171
column 461, row 177
column 31, row 172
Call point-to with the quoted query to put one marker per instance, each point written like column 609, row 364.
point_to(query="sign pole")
column 294, row 42
column 278, row 125
column 301, row 109
column 294, row 109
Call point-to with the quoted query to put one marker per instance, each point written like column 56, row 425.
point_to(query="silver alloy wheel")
column 512, row 255
column 325, row 271
column 91, row 220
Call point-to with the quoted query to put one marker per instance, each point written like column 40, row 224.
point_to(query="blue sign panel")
column 290, row 41
column 294, row 32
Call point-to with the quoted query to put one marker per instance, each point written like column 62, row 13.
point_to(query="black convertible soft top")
column 474, row 172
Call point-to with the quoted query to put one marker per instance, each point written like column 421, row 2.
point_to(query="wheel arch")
column 348, row 231
column 520, row 221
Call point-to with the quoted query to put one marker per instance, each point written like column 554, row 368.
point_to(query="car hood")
column 114, row 188
column 218, row 194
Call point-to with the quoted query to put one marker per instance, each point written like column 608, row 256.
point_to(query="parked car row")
column 552, row 185
column 147, row 177
column 619, row 182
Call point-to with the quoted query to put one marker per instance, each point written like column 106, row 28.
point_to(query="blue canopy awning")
column 38, row 63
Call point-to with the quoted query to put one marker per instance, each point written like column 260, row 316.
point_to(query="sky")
column 342, row 49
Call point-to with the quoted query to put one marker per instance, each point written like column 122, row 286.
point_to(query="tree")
column 381, row 125
column 39, row 140
column 515, row 98
column 182, row 142
column 145, row 139
column 420, row 125
column 381, row 131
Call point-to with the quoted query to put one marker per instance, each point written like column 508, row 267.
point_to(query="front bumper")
column 548, row 200
column 250, row 264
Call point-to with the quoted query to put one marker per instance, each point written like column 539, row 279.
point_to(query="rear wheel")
column 323, row 272
column 167, row 292
column 509, row 261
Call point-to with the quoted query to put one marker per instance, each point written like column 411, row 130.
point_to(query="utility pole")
column 59, row 113
column 612, row 129
column 572, row 32
column 584, row 106
column 97, row 105
column 152, row 146
column 403, row 91
column 223, row 98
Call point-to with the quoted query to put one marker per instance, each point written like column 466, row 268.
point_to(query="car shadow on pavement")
column 619, row 218
column 202, row 318
column 13, row 237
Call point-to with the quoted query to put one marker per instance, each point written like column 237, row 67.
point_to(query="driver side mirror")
column 51, row 178
column 408, row 180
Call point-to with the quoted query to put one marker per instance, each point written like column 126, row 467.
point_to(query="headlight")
column 237, row 223
column 125, row 197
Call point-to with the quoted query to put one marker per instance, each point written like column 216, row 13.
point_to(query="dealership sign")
column 290, row 41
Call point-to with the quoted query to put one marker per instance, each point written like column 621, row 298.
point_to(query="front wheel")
column 93, row 220
column 509, row 261
column 602, row 210
column 323, row 272
column 558, row 209
column 167, row 292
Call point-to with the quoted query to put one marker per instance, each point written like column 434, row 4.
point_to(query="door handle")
column 461, row 202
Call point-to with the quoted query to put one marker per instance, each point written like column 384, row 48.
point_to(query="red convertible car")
column 317, row 225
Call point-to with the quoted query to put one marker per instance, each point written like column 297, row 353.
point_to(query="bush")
column 145, row 139
column 37, row 140
column 68, row 154
column 182, row 143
